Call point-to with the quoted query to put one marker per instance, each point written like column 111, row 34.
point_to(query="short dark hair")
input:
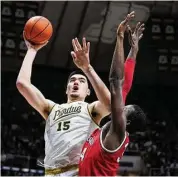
column 79, row 72
column 136, row 119
column 135, row 115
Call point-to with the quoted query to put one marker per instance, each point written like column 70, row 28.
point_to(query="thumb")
column 73, row 55
column 141, row 35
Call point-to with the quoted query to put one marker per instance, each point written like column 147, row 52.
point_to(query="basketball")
column 38, row 30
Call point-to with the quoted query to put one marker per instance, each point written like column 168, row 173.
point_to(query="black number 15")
column 63, row 125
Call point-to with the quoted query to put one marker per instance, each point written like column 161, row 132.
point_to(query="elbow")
column 20, row 84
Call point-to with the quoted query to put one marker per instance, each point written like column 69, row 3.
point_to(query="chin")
column 74, row 95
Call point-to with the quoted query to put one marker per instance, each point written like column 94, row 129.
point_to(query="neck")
column 70, row 100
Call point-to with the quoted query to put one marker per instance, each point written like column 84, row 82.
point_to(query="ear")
column 66, row 91
column 88, row 92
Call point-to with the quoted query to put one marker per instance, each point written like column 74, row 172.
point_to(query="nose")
column 76, row 82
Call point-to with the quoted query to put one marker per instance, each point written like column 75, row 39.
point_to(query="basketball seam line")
column 40, row 32
column 33, row 26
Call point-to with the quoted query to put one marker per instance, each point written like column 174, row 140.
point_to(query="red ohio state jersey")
column 96, row 160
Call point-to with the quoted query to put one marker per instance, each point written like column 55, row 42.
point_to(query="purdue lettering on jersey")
column 67, row 128
column 66, row 112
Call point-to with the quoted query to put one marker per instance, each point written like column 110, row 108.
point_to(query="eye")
column 72, row 80
column 83, row 81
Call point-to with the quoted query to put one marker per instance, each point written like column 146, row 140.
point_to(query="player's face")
column 77, row 87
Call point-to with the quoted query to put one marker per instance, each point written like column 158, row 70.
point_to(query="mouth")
column 75, row 88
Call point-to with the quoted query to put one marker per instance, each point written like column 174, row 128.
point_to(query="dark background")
column 155, row 85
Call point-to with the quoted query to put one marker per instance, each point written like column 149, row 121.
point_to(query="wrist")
column 88, row 69
column 120, row 36
column 30, row 55
column 134, row 52
column 134, row 49
column 32, row 50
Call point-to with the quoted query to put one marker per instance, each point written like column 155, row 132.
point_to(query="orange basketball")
column 38, row 30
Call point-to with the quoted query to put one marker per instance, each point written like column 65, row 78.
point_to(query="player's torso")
column 67, row 128
column 95, row 160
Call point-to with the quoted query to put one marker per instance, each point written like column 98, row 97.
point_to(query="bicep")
column 35, row 98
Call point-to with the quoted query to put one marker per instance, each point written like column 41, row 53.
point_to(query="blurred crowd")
column 22, row 138
column 158, row 147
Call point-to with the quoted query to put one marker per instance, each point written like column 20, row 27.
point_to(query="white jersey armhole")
column 51, row 108
column 91, row 115
column 107, row 150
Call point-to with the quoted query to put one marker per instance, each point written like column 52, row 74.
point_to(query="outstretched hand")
column 123, row 25
column 34, row 46
column 80, row 54
column 136, row 35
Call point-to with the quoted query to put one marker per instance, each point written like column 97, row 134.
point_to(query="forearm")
column 26, row 68
column 117, row 65
column 116, row 78
column 102, row 92
column 132, row 54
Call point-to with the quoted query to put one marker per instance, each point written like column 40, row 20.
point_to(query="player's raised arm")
column 34, row 97
column 116, row 133
column 129, row 65
column 81, row 59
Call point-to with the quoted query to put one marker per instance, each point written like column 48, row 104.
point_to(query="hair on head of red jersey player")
column 136, row 119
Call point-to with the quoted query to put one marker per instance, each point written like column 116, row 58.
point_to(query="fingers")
column 140, row 31
column 77, row 47
column 137, row 27
column 78, row 44
column 141, row 28
column 73, row 55
column 129, row 17
column 74, row 45
column 129, row 29
column 84, row 43
column 88, row 46
column 141, row 35
column 24, row 35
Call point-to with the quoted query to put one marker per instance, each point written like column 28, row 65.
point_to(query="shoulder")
column 51, row 105
column 118, row 149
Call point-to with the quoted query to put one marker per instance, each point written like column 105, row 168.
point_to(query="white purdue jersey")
column 67, row 128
